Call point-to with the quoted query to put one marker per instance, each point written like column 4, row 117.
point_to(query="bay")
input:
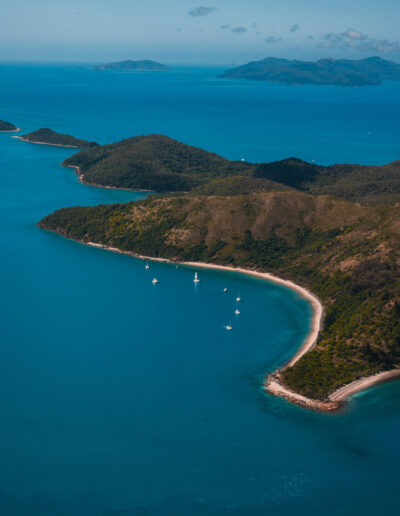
column 118, row 397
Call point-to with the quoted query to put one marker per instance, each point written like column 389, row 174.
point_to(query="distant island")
column 6, row 127
column 129, row 65
column 49, row 137
column 371, row 71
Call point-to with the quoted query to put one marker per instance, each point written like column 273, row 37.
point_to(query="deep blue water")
column 120, row 398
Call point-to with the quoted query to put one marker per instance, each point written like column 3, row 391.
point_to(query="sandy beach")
column 363, row 383
column 272, row 383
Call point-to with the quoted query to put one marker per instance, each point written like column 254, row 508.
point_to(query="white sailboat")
column 154, row 281
column 228, row 326
column 237, row 312
column 238, row 299
column 196, row 279
column 147, row 266
column 225, row 289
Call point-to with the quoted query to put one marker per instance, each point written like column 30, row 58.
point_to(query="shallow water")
column 117, row 397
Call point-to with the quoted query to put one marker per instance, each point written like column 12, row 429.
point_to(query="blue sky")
column 200, row 31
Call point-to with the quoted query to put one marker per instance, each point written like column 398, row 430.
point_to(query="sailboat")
column 196, row 279
column 147, row 266
column 154, row 281
column 237, row 312
column 238, row 299
column 225, row 289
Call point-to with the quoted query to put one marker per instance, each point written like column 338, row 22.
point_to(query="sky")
column 207, row 32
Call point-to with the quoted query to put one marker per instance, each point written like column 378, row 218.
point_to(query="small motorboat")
column 237, row 312
column 225, row 289
column 228, row 327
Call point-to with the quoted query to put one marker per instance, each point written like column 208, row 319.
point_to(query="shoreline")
column 45, row 143
column 12, row 131
column 83, row 182
column 272, row 383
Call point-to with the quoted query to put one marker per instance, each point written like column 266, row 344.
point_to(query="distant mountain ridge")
column 371, row 71
column 140, row 66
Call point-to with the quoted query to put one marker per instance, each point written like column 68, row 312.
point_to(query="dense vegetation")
column 153, row 162
column 6, row 126
column 53, row 138
column 156, row 162
column 142, row 66
column 346, row 253
column 238, row 185
column 339, row 72
column 356, row 183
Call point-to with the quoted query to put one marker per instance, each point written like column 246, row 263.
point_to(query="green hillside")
column 159, row 163
column 7, row 127
column 356, row 183
column 153, row 162
column 346, row 253
column 51, row 137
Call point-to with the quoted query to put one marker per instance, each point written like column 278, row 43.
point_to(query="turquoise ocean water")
column 120, row 398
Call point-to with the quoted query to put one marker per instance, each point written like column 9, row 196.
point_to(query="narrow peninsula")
column 330, row 232
column 7, row 127
column 144, row 65
column 371, row 71
column 47, row 136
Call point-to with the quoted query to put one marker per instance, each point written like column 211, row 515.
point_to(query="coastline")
column 44, row 143
column 272, row 383
column 12, row 131
column 83, row 182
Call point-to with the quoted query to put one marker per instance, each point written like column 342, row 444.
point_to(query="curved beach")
column 272, row 383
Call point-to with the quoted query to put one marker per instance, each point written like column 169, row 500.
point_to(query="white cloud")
column 354, row 34
column 352, row 38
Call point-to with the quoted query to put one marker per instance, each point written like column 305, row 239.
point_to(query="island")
column 153, row 162
column 262, row 219
column 7, row 127
column 144, row 65
column 371, row 71
column 157, row 162
column 47, row 136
